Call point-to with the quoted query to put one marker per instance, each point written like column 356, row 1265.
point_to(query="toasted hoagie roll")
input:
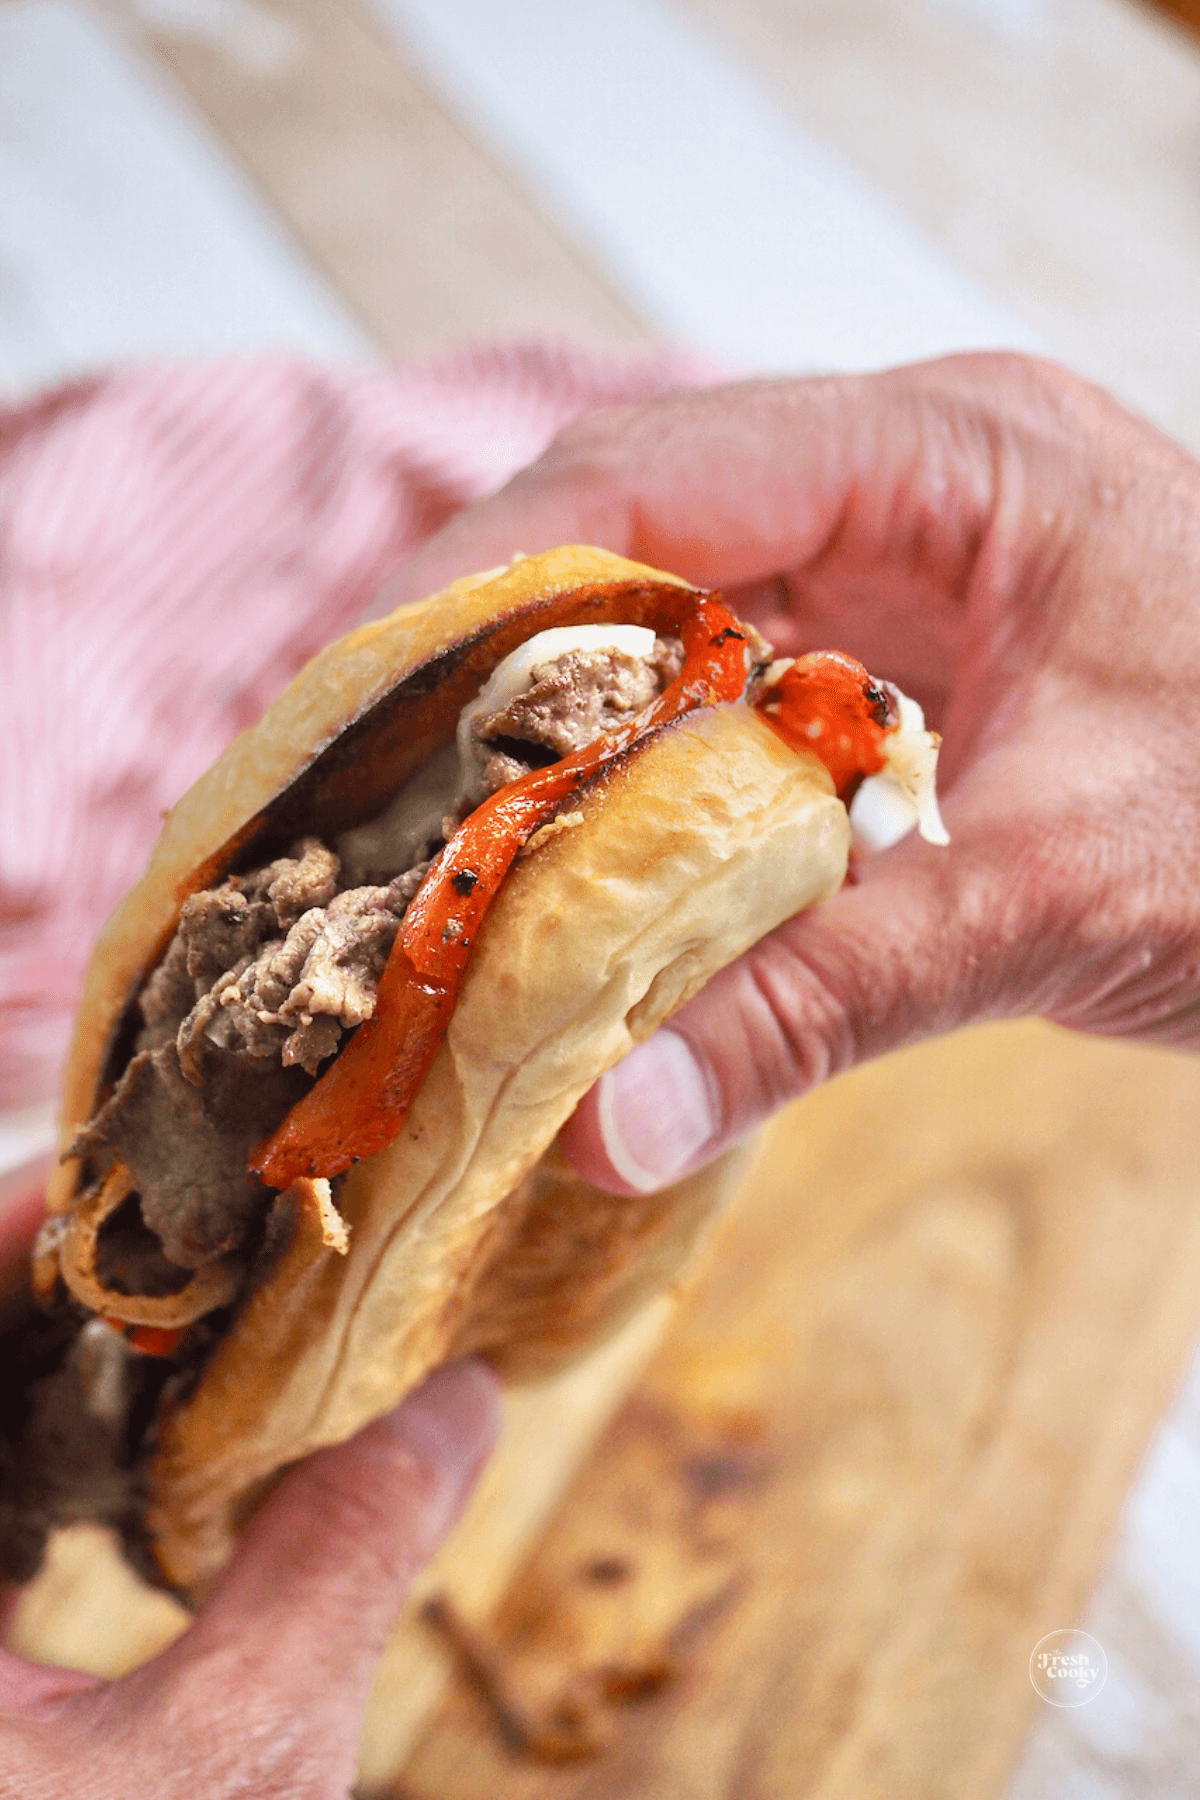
column 382, row 949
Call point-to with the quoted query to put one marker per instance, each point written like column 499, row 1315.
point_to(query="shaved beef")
column 578, row 697
column 293, row 886
column 186, row 1146
column 342, row 968
column 666, row 659
column 267, row 970
column 501, row 768
column 300, row 992
column 223, row 926
column 167, row 997
column 263, row 975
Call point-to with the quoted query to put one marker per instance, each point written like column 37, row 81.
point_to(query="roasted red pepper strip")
column 361, row 1102
column 827, row 703
column 151, row 1340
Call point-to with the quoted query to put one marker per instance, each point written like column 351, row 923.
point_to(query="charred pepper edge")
column 439, row 931
column 359, row 1103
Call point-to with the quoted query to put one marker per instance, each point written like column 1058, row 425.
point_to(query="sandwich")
column 473, row 854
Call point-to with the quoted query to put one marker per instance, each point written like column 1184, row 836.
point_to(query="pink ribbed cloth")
column 174, row 543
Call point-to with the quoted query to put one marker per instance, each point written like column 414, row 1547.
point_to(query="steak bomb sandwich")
column 474, row 853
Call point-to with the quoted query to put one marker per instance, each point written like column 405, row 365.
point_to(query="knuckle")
column 607, row 432
column 590, row 448
column 808, row 1035
column 392, row 1483
column 215, row 1726
column 776, row 1029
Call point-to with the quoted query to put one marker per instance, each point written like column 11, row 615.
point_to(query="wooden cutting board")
column 882, row 1451
column 878, row 1454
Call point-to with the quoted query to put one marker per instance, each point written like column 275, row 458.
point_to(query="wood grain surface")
column 426, row 237
column 1048, row 147
column 1187, row 10
column 883, row 1451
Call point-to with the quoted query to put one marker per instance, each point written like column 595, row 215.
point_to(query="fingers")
column 22, row 1209
column 29, row 1688
column 279, row 1661
column 732, row 485
column 1067, row 891
column 22, row 1205
column 344, row 1535
column 891, row 960
column 894, row 516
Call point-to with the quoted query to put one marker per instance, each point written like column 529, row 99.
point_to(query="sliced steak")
column 267, row 971
column 578, row 697
column 186, row 1146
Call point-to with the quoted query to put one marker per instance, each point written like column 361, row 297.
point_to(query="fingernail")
column 654, row 1112
column 453, row 1415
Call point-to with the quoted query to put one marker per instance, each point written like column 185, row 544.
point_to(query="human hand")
column 264, row 1693
column 22, row 1209
column 1023, row 557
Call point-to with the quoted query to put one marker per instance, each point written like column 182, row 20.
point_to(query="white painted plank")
column 723, row 221
column 1139, row 1739
column 125, row 229
column 127, row 232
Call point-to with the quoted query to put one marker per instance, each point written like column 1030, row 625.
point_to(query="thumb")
column 894, row 958
column 282, row 1653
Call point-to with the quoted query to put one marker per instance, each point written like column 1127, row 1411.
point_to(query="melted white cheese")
column 412, row 823
column 402, row 834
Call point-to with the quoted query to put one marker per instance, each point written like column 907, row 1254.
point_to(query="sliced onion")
column 904, row 793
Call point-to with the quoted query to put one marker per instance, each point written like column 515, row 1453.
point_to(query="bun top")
column 340, row 739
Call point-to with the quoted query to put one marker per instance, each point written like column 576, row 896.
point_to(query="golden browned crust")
column 528, row 1311
column 689, row 851
column 713, row 835
column 399, row 682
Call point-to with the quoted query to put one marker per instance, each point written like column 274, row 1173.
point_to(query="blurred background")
column 780, row 184
column 787, row 184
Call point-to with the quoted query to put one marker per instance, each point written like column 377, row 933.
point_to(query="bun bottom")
column 564, row 1265
column 469, row 1232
